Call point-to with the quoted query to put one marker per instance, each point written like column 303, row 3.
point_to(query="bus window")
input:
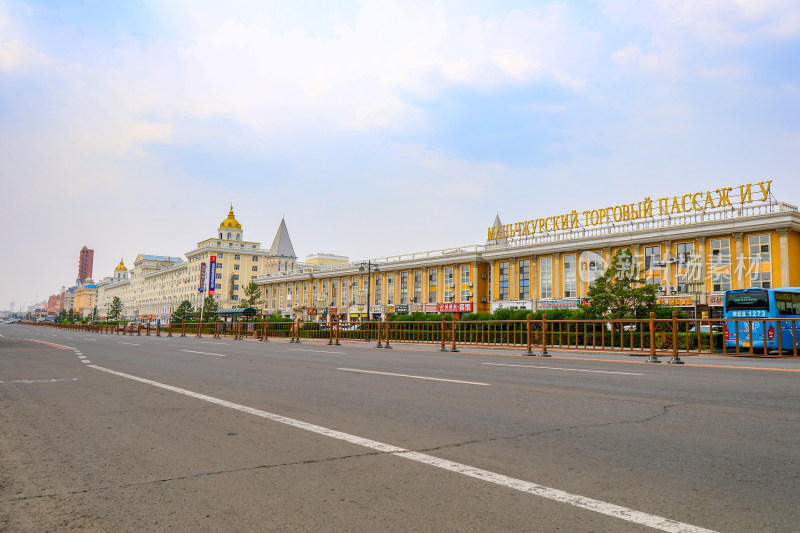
column 787, row 303
column 737, row 301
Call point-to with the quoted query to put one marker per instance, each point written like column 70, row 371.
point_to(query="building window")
column 236, row 267
column 305, row 293
column 403, row 287
column 502, row 278
column 417, row 286
column 720, row 265
column 524, row 272
column 652, row 262
column 229, row 236
column 333, row 291
column 683, row 257
column 344, row 292
column 546, row 277
column 432, row 285
column 390, row 289
column 378, row 287
column 255, row 269
column 255, row 258
column 759, row 258
column 235, row 277
column 570, row 266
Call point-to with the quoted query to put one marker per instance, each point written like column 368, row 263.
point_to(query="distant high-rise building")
column 85, row 264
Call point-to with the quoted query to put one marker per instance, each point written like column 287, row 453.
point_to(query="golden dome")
column 120, row 267
column 231, row 221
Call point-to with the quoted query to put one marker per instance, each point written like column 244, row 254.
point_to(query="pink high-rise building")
column 85, row 263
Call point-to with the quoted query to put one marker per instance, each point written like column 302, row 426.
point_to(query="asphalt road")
column 120, row 433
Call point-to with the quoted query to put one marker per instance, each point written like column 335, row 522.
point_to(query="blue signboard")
column 212, row 275
column 202, row 287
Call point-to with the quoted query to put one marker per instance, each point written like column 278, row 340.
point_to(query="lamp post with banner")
column 369, row 266
column 202, row 288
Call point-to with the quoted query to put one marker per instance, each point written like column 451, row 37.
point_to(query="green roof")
column 237, row 311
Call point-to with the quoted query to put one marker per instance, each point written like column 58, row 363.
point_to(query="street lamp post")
column 369, row 266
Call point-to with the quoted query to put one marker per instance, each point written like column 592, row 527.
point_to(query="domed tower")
column 230, row 229
column 121, row 272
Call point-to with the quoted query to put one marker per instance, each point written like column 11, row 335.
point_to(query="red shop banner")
column 455, row 307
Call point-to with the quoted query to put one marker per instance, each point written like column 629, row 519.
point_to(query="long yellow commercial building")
column 694, row 247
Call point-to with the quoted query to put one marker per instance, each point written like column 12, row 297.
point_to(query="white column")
column 738, row 263
column 783, row 234
column 703, row 270
column 667, row 281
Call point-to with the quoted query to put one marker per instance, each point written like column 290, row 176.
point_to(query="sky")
column 374, row 128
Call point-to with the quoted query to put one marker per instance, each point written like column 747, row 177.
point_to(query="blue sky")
column 375, row 128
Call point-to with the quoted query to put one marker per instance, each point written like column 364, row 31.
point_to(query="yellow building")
column 85, row 298
column 694, row 247
column 156, row 285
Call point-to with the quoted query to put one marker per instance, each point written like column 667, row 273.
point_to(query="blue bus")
column 762, row 309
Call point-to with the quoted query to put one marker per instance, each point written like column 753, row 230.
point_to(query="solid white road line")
column 205, row 353
column 128, row 343
column 567, row 369
column 315, row 351
column 409, row 376
column 86, row 362
column 39, row 380
column 609, row 509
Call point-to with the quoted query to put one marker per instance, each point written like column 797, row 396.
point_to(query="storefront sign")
column 567, row 303
column 415, row 308
column 212, row 275
column 700, row 201
column 511, row 304
column 333, row 310
column 312, row 311
column 401, row 309
column 715, row 300
column 675, row 302
column 455, row 307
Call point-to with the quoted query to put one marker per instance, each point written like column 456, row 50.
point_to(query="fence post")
column 380, row 333
column 148, row 330
column 264, row 331
column 158, row 330
column 169, row 332
column 336, row 334
column 529, row 352
column 387, row 346
column 544, row 336
column 453, row 335
column 199, row 334
column 138, row 330
column 675, row 359
column 183, row 329
column 653, row 358
column 442, row 349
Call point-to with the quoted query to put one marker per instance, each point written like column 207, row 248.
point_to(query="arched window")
column 229, row 235
column 238, row 236
column 220, row 235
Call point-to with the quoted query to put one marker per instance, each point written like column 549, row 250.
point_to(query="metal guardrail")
column 653, row 337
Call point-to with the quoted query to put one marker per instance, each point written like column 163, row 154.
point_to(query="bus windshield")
column 788, row 303
column 746, row 300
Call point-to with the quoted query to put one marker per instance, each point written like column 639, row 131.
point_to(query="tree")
column 622, row 291
column 252, row 296
column 116, row 308
column 210, row 306
column 184, row 312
